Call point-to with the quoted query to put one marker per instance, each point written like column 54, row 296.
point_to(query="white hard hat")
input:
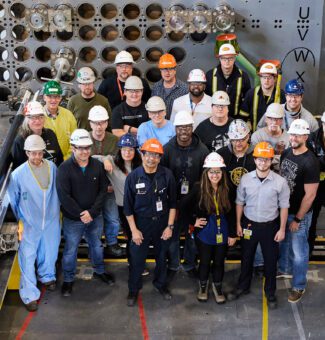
column 34, row 108
column 80, row 137
column 155, row 104
column 214, row 160
column 238, row 129
column 220, row 98
column 274, row 110
column 268, row 68
column 86, row 76
column 133, row 83
column 323, row 117
column 299, row 127
column 227, row 49
column 98, row 113
column 183, row 118
column 123, row 57
column 197, row 75
column 34, row 143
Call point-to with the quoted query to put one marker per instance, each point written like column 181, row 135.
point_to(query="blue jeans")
column 258, row 259
column 111, row 219
column 73, row 232
column 294, row 252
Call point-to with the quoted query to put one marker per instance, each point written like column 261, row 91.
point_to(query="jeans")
column 73, row 232
column 111, row 219
column 258, row 259
column 294, row 252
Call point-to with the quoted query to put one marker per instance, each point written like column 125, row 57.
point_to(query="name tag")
column 140, row 186
column 185, row 187
column 247, row 234
column 219, row 238
column 159, row 206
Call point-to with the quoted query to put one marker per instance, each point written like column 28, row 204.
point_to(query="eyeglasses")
column 274, row 119
column 267, row 77
column 149, row 154
column 82, row 148
column 184, row 127
column 220, row 107
column 134, row 91
column 168, row 69
column 239, row 140
column 263, row 160
column 127, row 149
column 124, row 65
column 36, row 153
column 215, row 172
column 227, row 59
column 156, row 113
column 101, row 123
column 38, row 117
column 293, row 96
column 196, row 84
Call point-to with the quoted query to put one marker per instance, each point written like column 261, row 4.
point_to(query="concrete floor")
column 96, row 311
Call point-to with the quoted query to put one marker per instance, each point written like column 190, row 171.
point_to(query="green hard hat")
column 52, row 87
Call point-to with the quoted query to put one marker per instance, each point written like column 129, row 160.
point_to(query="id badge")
column 159, row 205
column 219, row 238
column 247, row 234
column 185, row 188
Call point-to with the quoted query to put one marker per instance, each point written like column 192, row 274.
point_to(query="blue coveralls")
column 39, row 210
column 140, row 200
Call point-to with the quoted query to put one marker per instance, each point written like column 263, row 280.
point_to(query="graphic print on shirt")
column 219, row 142
column 289, row 171
column 236, row 175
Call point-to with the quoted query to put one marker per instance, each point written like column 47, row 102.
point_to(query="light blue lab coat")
column 39, row 210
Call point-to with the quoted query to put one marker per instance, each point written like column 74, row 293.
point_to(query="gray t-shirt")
column 42, row 174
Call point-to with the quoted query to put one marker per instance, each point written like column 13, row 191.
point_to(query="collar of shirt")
column 269, row 177
column 50, row 115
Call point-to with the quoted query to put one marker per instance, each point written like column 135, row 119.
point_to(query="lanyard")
column 217, row 213
column 193, row 106
column 120, row 88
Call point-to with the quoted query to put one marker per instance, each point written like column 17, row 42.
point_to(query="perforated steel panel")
column 287, row 30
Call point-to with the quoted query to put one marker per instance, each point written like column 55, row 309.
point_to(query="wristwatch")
column 296, row 219
column 171, row 226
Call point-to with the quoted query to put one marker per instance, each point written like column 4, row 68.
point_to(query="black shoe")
column 115, row 250
column 192, row 273
column 66, row 289
column 235, row 294
column 51, row 285
column 32, row 306
column 170, row 275
column 164, row 292
column 272, row 302
column 132, row 299
column 105, row 277
column 259, row 271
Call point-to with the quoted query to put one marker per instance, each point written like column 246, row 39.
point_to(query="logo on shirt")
column 289, row 171
column 237, row 174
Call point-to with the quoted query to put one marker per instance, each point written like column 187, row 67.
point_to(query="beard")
column 197, row 93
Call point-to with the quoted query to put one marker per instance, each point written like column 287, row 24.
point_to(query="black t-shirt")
column 298, row 170
column 125, row 114
column 213, row 136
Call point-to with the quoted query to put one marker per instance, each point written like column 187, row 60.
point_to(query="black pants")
column 264, row 234
column 126, row 230
column 217, row 255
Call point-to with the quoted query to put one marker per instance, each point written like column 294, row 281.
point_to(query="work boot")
column 295, row 295
column 50, row 286
column 132, row 298
column 202, row 294
column 32, row 306
column 165, row 293
column 218, row 294
column 236, row 293
column 66, row 289
column 115, row 250
column 105, row 277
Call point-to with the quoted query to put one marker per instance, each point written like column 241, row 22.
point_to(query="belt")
column 261, row 223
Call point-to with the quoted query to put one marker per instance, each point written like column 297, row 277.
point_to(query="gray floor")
column 96, row 311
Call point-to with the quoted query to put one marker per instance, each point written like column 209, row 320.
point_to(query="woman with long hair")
column 213, row 231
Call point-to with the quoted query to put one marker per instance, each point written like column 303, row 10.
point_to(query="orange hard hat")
column 167, row 61
column 264, row 150
column 152, row 145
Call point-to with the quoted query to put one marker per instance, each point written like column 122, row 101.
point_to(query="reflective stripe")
column 214, row 81
column 238, row 92
column 255, row 107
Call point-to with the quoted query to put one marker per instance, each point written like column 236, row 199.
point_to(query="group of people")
column 212, row 158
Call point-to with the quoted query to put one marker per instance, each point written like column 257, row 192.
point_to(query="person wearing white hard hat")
column 316, row 144
column 34, row 124
column 213, row 131
column 82, row 186
column 34, row 201
column 196, row 101
column 82, row 102
column 260, row 97
column 127, row 116
column 104, row 144
column 59, row 119
column 300, row 167
column 184, row 155
column 210, row 207
column 273, row 133
column 229, row 78
column 158, row 126
column 112, row 87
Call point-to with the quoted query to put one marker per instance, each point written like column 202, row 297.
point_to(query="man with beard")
column 196, row 101
column 273, row 132
column 261, row 211
column 293, row 108
column 81, row 103
column 259, row 98
column 213, row 131
column 184, row 155
column 113, row 86
column 300, row 167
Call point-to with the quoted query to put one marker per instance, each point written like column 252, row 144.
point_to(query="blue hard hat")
column 128, row 140
column 294, row 87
